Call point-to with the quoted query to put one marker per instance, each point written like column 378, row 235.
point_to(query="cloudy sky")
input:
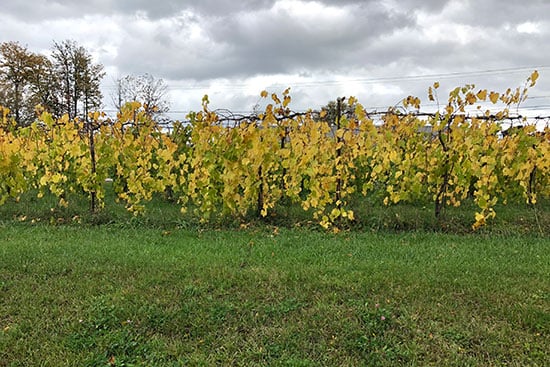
column 377, row 50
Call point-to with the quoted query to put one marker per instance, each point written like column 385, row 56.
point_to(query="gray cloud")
column 494, row 13
column 56, row 9
column 187, row 42
column 271, row 41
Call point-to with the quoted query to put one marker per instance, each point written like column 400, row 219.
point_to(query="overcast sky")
column 379, row 51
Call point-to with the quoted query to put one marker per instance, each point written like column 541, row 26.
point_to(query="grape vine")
column 251, row 164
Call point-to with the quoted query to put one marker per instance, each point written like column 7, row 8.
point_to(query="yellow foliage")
column 255, row 164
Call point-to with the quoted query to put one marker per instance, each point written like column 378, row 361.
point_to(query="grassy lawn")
column 111, row 295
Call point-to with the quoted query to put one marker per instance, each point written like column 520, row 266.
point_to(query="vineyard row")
column 319, row 163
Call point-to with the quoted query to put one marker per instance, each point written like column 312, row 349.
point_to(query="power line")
column 450, row 75
column 326, row 82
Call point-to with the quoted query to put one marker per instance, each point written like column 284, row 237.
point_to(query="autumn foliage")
column 253, row 164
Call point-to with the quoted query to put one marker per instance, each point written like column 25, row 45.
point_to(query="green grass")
column 146, row 295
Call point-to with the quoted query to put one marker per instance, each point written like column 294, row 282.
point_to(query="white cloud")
column 529, row 28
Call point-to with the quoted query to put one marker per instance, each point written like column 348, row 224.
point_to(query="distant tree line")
column 68, row 81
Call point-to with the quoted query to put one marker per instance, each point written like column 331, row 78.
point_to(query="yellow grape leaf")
column 323, row 114
column 263, row 94
column 436, row 85
column 393, row 156
column 493, row 96
column 480, row 220
column 534, row 77
column 43, row 180
column 431, row 94
column 325, row 222
column 482, row 94
column 286, row 101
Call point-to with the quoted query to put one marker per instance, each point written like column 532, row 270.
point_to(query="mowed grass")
column 142, row 296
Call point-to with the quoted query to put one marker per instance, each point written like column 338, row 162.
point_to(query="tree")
column 78, row 79
column 333, row 112
column 44, row 85
column 145, row 89
column 20, row 70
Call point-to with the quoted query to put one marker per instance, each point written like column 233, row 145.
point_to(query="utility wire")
column 404, row 78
